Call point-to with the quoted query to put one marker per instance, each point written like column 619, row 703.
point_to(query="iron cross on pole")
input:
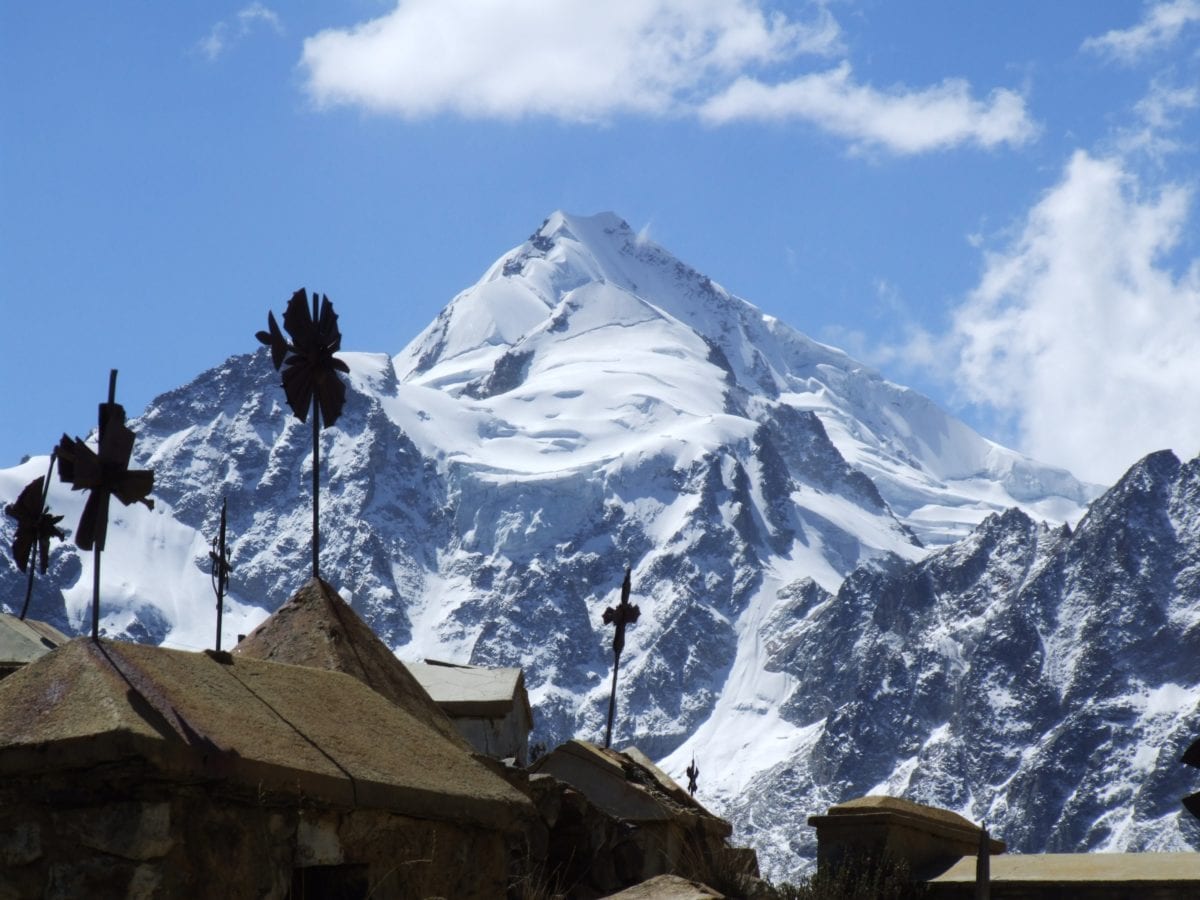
column 35, row 526
column 104, row 473
column 624, row 614
column 220, row 570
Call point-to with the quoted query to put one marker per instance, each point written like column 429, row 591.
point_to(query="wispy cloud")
column 582, row 61
column 1080, row 331
column 1161, row 24
column 901, row 120
column 1156, row 118
column 225, row 33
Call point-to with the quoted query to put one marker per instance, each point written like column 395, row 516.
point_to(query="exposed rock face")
column 1040, row 680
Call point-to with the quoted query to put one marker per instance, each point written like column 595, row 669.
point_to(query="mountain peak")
column 594, row 281
column 585, row 229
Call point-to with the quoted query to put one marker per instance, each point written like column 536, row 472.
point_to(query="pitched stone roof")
column 473, row 690
column 317, row 628
column 22, row 640
column 667, row 887
column 625, row 784
column 265, row 726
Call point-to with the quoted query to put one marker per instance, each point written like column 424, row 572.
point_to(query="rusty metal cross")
column 219, row 555
column 625, row 613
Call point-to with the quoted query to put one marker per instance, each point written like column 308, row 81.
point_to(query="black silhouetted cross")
column 625, row 613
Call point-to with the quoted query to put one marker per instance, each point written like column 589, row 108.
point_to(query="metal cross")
column 104, row 473
column 310, row 378
column 35, row 527
column 624, row 614
column 220, row 570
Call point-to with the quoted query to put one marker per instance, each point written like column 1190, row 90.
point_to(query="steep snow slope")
column 590, row 403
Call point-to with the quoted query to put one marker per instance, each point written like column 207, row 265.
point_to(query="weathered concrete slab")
column 317, row 628
column 472, row 690
column 271, row 726
column 489, row 707
column 1077, row 875
column 927, row 838
column 599, row 776
column 22, row 641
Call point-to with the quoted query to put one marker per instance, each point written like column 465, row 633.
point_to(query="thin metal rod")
column 34, row 556
column 29, row 583
column 220, row 563
column 112, row 398
column 96, row 594
column 983, row 869
column 316, row 487
column 612, row 701
column 316, row 472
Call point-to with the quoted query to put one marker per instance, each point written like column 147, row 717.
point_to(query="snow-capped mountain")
column 591, row 402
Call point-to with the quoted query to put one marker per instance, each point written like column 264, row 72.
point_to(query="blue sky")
column 992, row 202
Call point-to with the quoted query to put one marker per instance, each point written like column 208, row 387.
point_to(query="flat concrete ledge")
column 1081, row 876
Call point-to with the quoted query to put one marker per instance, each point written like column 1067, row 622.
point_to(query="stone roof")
column 876, row 809
column 625, row 784
column 317, row 628
column 265, row 726
column 667, row 887
column 473, row 690
column 23, row 640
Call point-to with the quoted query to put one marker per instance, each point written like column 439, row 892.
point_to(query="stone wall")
column 117, row 833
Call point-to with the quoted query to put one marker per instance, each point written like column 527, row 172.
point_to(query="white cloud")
column 256, row 12
column 1081, row 332
column 577, row 60
column 214, row 43
column 901, row 120
column 223, row 35
column 1157, row 114
column 1161, row 25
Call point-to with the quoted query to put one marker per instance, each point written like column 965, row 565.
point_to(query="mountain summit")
column 584, row 282
column 591, row 403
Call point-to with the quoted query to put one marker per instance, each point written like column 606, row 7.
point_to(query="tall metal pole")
column 41, row 512
column 612, row 703
column 112, row 398
column 624, row 614
column 316, row 472
column 221, row 577
column 983, row 867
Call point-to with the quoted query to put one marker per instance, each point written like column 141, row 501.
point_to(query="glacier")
column 593, row 402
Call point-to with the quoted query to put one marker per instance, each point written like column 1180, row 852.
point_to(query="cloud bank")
column 582, row 61
column 1082, row 332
